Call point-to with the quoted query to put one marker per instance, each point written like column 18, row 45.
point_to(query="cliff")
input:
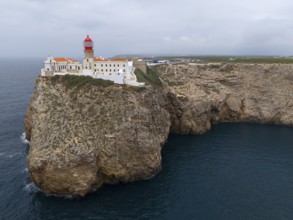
column 85, row 133
column 212, row 93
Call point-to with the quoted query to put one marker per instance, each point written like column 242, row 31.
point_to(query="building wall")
column 100, row 67
column 89, row 53
column 117, row 78
column 140, row 64
column 121, row 72
column 87, row 63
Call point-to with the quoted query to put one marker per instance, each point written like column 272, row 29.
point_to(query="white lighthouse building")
column 120, row 71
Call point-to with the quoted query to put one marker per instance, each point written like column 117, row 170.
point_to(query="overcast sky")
column 37, row 28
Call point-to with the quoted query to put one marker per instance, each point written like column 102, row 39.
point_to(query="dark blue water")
column 236, row 171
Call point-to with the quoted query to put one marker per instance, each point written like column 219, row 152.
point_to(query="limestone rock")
column 212, row 93
column 83, row 138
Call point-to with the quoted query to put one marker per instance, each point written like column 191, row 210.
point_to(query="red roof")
column 88, row 39
column 61, row 59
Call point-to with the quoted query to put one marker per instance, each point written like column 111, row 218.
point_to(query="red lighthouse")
column 88, row 45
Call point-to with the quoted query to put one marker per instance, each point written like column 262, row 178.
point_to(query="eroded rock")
column 211, row 93
column 82, row 137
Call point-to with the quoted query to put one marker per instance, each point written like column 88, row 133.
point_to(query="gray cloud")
column 40, row 28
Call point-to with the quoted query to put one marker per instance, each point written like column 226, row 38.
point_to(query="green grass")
column 78, row 82
column 75, row 83
column 150, row 78
column 232, row 59
column 252, row 60
column 135, row 88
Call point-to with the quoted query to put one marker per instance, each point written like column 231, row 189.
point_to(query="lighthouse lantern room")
column 88, row 45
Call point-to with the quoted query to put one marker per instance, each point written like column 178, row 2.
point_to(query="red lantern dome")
column 88, row 43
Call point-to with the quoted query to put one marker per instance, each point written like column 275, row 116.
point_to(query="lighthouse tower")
column 88, row 45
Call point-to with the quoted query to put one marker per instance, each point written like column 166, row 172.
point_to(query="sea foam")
column 23, row 139
column 31, row 187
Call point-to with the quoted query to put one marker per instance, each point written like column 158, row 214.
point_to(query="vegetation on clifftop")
column 246, row 59
column 150, row 78
column 228, row 59
column 77, row 82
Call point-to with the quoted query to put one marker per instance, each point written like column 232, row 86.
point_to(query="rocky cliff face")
column 211, row 93
column 81, row 138
column 84, row 136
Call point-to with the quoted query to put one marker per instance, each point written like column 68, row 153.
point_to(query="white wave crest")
column 23, row 139
column 25, row 170
column 31, row 187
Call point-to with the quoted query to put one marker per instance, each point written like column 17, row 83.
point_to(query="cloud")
column 39, row 28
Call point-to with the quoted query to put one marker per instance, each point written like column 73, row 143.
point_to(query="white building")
column 61, row 65
column 120, row 71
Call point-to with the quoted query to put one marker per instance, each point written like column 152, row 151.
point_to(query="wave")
column 5, row 155
column 25, row 170
column 31, row 188
column 23, row 139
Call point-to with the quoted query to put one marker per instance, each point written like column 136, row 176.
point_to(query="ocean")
column 235, row 171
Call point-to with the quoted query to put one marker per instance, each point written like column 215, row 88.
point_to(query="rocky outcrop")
column 84, row 135
column 209, row 93
column 81, row 138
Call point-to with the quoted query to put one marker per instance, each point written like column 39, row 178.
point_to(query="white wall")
column 106, row 67
column 115, row 78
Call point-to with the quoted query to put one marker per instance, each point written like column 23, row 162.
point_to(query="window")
column 114, row 65
column 101, row 64
column 102, row 70
column 124, row 65
column 95, row 64
column 87, row 60
column 105, row 64
column 118, row 65
column 110, row 65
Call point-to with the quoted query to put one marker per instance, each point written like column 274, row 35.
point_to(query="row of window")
column 62, row 67
column 110, row 65
column 110, row 70
column 70, row 67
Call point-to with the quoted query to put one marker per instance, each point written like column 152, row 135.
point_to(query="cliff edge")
column 86, row 132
